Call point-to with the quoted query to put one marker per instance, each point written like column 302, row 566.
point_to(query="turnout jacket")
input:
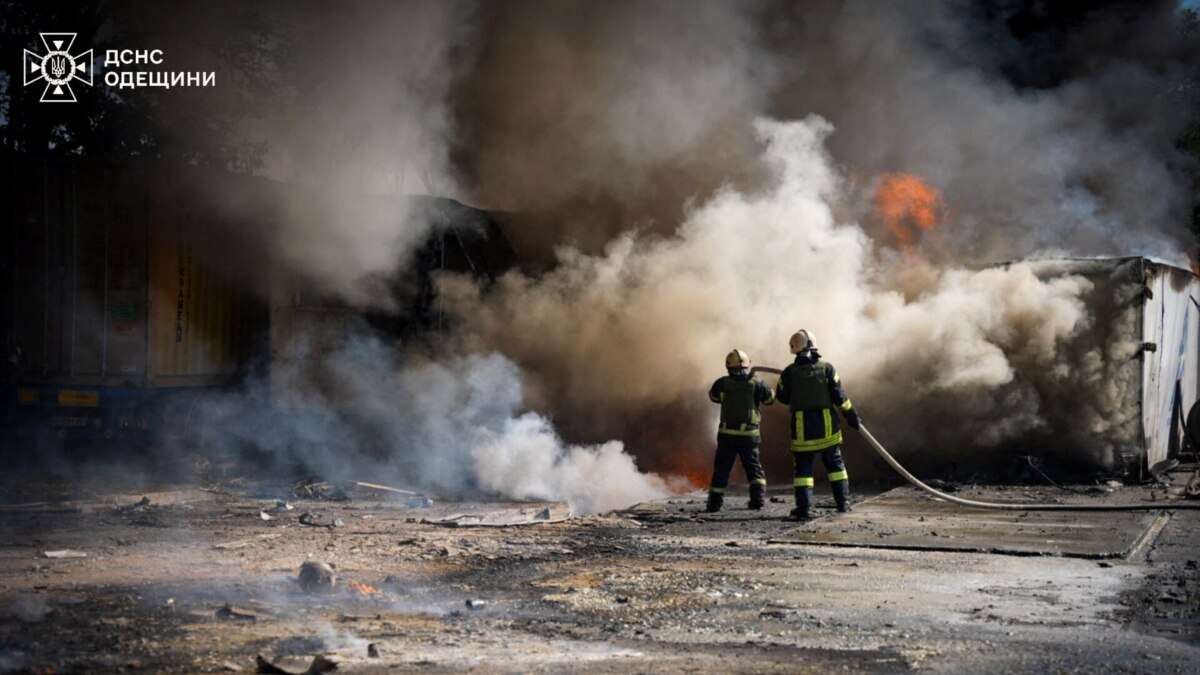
column 812, row 389
column 740, row 397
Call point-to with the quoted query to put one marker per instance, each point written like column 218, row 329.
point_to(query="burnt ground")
column 658, row 588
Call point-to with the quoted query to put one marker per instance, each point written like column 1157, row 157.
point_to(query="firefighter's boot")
column 757, row 492
column 841, row 495
column 803, row 504
column 715, row 501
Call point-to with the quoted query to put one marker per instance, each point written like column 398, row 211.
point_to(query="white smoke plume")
column 648, row 322
column 459, row 425
column 351, row 111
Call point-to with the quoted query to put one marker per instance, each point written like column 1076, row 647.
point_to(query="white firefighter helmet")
column 737, row 359
column 801, row 341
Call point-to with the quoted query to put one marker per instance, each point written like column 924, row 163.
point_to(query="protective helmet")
column 801, row 341
column 737, row 359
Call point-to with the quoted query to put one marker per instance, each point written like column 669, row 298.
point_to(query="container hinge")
column 1149, row 346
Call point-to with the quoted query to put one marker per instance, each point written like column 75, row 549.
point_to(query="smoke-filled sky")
column 683, row 178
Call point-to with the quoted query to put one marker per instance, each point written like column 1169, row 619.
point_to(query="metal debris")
column 231, row 613
column 319, row 665
column 503, row 518
column 312, row 488
column 385, row 488
column 64, row 553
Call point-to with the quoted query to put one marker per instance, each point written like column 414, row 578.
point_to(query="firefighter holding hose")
column 741, row 396
column 813, row 391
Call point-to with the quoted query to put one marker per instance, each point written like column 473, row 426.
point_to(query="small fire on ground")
column 361, row 588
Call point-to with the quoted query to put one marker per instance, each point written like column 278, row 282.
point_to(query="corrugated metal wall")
column 197, row 327
column 103, row 284
column 1171, row 323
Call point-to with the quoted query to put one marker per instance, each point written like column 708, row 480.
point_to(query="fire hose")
column 1004, row 506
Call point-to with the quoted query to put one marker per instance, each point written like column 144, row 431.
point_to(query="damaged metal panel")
column 1132, row 370
column 1171, row 323
column 106, row 295
column 199, row 322
column 106, row 285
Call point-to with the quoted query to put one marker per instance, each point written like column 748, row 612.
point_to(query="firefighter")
column 812, row 389
column 740, row 396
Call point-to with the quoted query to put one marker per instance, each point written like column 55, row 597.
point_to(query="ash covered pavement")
column 184, row 579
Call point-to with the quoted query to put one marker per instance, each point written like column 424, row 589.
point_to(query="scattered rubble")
column 312, row 488
column 234, row 545
column 316, row 577
column 544, row 516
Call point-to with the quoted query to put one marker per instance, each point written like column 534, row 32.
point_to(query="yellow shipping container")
column 128, row 275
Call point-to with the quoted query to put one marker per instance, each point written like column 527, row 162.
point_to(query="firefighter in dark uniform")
column 740, row 396
column 812, row 389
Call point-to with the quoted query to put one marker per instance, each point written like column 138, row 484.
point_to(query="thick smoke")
column 596, row 120
column 357, row 118
column 626, row 330
column 1069, row 165
column 593, row 118
column 361, row 411
column 359, row 123
column 674, row 169
column 747, row 269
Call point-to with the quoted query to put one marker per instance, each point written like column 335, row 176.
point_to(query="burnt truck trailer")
column 113, row 312
column 1117, row 399
column 129, row 291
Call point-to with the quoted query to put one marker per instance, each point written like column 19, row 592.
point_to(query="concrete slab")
column 905, row 518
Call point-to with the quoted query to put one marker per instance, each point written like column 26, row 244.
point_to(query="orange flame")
column 697, row 470
column 908, row 206
column 362, row 589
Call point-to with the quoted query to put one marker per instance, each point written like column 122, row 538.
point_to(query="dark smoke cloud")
column 593, row 118
column 694, row 176
column 1059, row 162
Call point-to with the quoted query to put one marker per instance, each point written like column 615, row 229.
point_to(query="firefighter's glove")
column 853, row 419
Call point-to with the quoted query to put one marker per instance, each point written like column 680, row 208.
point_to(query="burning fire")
column 695, row 469
column 362, row 589
column 908, row 206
